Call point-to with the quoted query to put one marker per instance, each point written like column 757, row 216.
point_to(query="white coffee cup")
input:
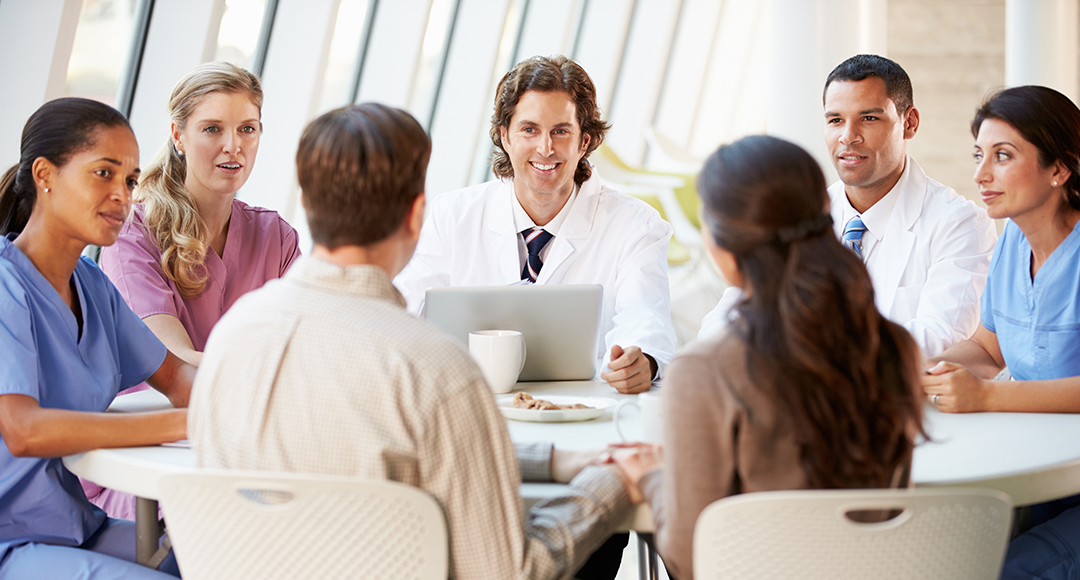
column 500, row 354
column 649, row 405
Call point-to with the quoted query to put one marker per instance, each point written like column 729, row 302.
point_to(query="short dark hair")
column 861, row 66
column 547, row 74
column 56, row 131
column 361, row 169
column 1048, row 120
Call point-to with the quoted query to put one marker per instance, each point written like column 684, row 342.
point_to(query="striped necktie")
column 853, row 233
column 535, row 240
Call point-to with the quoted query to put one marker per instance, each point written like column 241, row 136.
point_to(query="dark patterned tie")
column 535, row 240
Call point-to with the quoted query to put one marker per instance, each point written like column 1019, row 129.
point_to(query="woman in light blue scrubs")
column 1027, row 156
column 69, row 344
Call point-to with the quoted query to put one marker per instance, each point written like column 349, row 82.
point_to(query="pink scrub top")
column 260, row 246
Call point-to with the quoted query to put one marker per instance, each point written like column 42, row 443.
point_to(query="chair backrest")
column 241, row 524
column 953, row 534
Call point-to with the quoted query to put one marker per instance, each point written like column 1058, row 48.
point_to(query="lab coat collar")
column 899, row 236
column 574, row 230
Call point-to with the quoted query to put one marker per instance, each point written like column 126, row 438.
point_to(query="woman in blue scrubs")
column 70, row 343
column 1027, row 156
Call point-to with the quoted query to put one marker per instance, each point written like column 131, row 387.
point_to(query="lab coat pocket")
column 906, row 303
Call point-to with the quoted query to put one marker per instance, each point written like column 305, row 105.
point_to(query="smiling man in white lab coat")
column 927, row 248
column 549, row 220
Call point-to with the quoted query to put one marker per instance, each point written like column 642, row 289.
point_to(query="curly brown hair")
column 547, row 74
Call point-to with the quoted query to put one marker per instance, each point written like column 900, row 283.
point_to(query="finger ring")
column 935, row 399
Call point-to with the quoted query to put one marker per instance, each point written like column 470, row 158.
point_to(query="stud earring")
column 1053, row 183
column 46, row 190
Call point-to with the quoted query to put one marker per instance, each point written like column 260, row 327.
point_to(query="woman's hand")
column 634, row 460
column 953, row 389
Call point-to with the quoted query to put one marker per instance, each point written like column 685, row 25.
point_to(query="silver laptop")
column 560, row 323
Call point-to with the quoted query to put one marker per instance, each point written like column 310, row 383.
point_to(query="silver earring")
column 46, row 190
column 1053, row 183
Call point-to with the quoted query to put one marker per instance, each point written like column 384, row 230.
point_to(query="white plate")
column 598, row 404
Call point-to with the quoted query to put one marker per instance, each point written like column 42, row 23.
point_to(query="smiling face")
column 544, row 143
column 219, row 140
column 865, row 136
column 1012, row 181
column 89, row 197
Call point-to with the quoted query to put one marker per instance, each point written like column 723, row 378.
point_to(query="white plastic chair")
column 954, row 534
column 236, row 525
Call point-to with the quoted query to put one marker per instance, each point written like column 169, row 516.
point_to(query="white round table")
column 1031, row 457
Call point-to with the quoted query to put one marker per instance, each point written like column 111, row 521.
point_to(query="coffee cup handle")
column 615, row 418
column 523, row 353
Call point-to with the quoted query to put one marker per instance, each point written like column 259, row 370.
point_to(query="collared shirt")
column 46, row 358
column 875, row 218
column 323, row 371
column 522, row 221
column 1037, row 321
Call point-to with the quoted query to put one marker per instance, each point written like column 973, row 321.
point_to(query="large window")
column 238, row 38
column 101, row 48
column 339, row 84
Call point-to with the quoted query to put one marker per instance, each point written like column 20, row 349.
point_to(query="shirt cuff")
column 534, row 461
column 606, row 488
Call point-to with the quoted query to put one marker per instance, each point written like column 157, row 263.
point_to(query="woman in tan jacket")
column 810, row 387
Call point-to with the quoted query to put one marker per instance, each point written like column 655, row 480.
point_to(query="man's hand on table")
column 631, row 370
column 565, row 465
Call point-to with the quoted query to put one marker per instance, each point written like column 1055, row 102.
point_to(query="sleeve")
column 717, row 320
column 140, row 352
column 987, row 306
column 534, row 461
column 699, row 457
column 429, row 266
column 133, row 264
column 643, row 295
column 290, row 246
column 18, row 365
column 960, row 246
column 468, row 465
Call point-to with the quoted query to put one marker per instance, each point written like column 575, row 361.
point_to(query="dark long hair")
column 846, row 376
column 56, row 131
column 1049, row 121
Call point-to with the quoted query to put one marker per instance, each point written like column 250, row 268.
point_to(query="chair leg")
column 147, row 530
column 648, row 563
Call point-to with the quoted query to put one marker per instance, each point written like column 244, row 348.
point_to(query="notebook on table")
column 560, row 323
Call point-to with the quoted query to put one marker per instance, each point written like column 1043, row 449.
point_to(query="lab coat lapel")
column 575, row 230
column 499, row 232
column 899, row 237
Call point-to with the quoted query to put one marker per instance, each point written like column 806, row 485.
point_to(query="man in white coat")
column 549, row 220
column 927, row 248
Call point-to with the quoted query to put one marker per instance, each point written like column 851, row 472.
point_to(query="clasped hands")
column 630, row 461
column 954, row 389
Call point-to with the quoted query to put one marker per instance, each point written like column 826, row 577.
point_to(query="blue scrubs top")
column 45, row 358
column 1037, row 322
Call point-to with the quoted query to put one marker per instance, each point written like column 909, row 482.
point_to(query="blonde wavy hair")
column 169, row 209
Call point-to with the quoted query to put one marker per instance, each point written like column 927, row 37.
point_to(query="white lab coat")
column 608, row 238
column 929, row 269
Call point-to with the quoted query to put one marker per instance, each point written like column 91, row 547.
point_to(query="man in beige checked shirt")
column 323, row 371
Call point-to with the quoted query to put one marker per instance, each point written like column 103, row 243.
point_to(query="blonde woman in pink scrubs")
column 191, row 249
